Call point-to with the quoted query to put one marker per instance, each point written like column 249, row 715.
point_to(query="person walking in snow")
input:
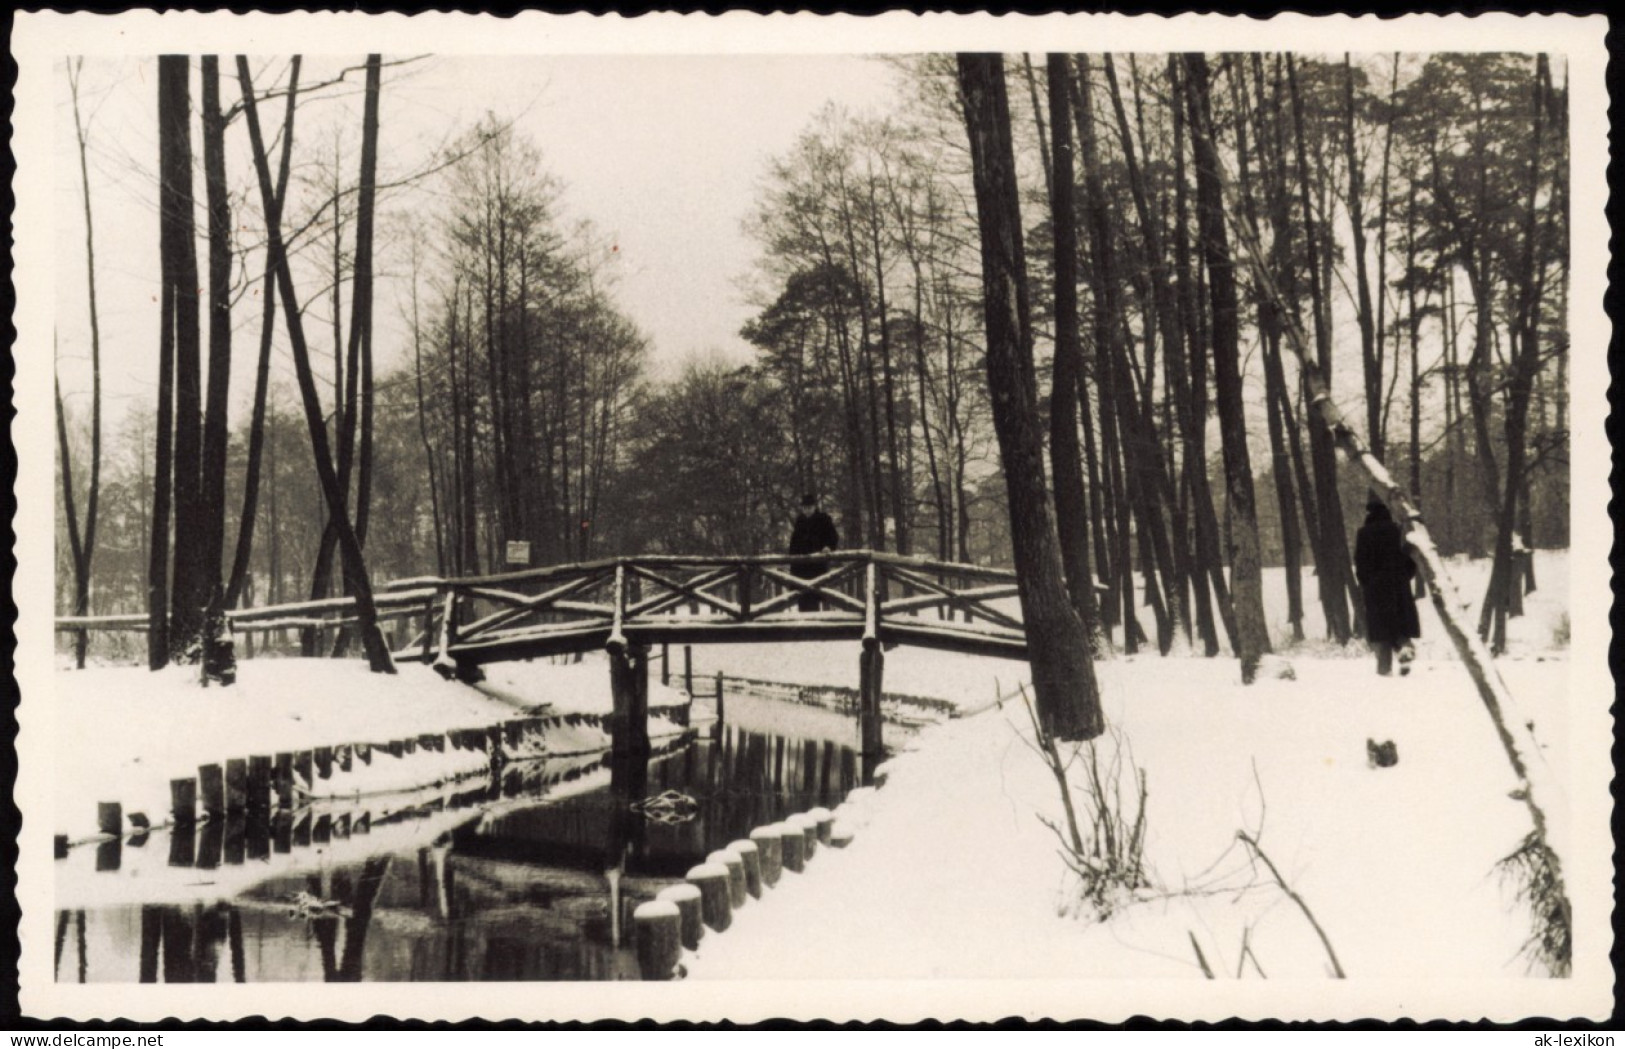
column 1384, row 570
column 814, row 533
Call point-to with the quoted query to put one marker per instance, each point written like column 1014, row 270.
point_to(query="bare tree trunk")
column 1068, row 698
column 1166, row 308
column 189, row 592
column 256, row 429
column 1071, row 506
column 1276, row 396
column 1370, row 335
column 85, row 552
column 1246, row 579
column 1332, row 554
column 1208, row 569
column 372, row 639
column 212, row 478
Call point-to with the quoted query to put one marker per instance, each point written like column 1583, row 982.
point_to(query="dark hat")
column 810, row 499
column 1374, row 503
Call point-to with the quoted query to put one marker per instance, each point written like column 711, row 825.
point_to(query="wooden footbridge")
column 626, row 605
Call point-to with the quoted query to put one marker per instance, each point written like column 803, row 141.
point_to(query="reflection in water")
column 520, row 892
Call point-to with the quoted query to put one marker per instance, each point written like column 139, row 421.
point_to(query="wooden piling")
column 629, row 698
column 302, row 765
column 282, row 832
column 59, row 846
column 751, row 855
column 282, row 779
column 712, row 881
column 840, row 835
column 794, row 845
column 212, row 784
column 235, row 845
column 183, row 802
column 344, row 754
column 735, row 864
column 771, row 850
column 109, row 817
column 259, row 783
column 824, row 821
column 665, row 663
column 657, row 929
column 871, row 665
column 720, row 719
column 808, row 829
column 236, row 785
column 687, row 900
column 324, row 762
column 688, row 670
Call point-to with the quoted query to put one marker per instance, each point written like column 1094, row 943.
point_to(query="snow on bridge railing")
column 879, row 595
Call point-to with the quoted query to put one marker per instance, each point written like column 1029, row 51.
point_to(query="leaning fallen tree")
column 1538, row 858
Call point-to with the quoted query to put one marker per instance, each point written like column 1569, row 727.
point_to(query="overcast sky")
column 661, row 153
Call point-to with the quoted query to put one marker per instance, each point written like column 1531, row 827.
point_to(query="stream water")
column 505, row 879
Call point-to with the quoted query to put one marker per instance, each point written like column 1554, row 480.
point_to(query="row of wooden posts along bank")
column 681, row 915
column 262, row 784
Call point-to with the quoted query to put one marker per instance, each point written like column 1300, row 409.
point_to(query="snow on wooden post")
column 212, row 781
column 109, row 817
column 236, row 785
column 444, row 665
column 658, row 931
column 1511, row 727
column 686, row 898
column 734, row 863
column 183, row 802
column 793, row 844
column 752, row 858
column 771, row 849
column 824, row 821
column 809, row 832
column 712, row 881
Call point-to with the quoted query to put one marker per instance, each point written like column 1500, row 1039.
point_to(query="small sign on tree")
column 518, row 552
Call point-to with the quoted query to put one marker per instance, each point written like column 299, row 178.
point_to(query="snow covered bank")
column 954, row 875
column 123, row 733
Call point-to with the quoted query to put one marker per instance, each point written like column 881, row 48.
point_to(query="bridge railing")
column 874, row 596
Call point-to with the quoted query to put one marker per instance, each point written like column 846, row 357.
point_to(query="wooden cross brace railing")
column 858, row 594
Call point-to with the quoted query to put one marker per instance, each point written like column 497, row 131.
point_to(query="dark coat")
column 1384, row 571
column 813, row 532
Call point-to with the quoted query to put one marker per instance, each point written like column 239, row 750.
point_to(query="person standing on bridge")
column 1384, row 569
column 814, row 533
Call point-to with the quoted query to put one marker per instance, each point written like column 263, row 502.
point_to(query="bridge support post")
column 629, row 692
column 871, row 664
